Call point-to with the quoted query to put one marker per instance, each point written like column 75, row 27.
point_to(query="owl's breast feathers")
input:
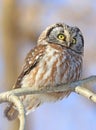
column 46, row 65
column 49, row 65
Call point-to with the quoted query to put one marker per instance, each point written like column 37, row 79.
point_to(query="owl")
column 56, row 59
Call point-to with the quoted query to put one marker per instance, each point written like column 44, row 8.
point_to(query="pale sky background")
column 74, row 112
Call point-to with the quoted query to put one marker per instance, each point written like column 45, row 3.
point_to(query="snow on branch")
column 77, row 87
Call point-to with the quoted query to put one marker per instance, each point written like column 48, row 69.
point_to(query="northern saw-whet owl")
column 56, row 59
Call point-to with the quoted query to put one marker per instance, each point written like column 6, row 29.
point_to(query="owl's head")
column 63, row 35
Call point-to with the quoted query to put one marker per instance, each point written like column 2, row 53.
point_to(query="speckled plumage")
column 51, row 62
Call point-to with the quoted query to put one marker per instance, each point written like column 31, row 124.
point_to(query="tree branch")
column 9, row 97
column 86, row 93
column 12, row 96
column 58, row 88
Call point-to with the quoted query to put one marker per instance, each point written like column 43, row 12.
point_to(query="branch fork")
column 77, row 87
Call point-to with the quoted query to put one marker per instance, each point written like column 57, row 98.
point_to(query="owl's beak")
column 68, row 44
column 66, row 33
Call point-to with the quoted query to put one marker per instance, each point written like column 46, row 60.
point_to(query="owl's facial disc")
column 63, row 35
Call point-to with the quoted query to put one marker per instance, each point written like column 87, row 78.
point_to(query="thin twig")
column 86, row 93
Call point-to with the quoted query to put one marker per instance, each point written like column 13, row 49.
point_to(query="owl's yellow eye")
column 74, row 40
column 61, row 37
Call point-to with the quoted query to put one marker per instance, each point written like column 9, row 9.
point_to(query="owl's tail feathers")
column 11, row 113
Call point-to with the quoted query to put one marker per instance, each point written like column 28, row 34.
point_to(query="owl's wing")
column 31, row 60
